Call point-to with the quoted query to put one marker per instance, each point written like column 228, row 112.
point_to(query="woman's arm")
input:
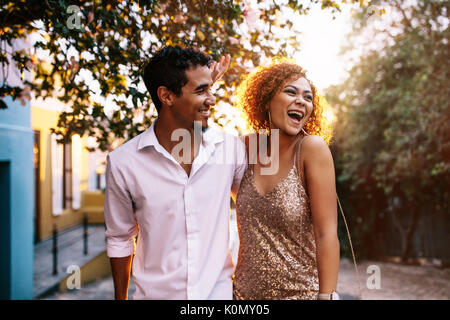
column 320, row 181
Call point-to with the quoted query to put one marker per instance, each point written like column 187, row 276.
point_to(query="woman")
column 287, row 220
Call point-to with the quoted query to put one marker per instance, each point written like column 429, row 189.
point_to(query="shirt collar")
column 148, row 138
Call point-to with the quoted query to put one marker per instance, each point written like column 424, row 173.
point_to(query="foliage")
column 393, row 128
column 96, row 50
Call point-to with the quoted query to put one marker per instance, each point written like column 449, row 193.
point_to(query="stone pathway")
column 70, row 252
column 99, row 290
column 397, row 282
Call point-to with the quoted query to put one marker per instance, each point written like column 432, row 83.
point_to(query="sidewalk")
column 398, row 282
column 70, row 252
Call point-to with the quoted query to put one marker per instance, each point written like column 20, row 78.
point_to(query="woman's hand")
column 219, row 69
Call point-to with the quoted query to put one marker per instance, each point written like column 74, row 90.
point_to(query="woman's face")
column 291, row 107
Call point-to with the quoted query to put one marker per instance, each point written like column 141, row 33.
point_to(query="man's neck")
column 164, row 129
column 163, row 132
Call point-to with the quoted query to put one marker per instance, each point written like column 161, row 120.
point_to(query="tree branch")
column 405, row 18
column 24, row 13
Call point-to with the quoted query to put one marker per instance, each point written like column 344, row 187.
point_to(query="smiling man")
column 177, row 205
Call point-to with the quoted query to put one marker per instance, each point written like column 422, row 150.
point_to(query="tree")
column 107, row 42
column 393, row 131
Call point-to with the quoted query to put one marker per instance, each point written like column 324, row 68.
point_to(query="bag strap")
column 351, row 247
column 297, row 159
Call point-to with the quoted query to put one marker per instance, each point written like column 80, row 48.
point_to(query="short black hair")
column 167, row 68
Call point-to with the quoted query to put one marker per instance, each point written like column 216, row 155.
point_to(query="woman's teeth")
column 298, row 116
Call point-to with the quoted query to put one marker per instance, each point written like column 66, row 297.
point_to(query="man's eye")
column 202, row 90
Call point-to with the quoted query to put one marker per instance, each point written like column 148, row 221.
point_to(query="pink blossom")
column 180, row 18
column 233, row 40
column 251, row 16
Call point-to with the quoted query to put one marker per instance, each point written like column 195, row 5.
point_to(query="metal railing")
column 57, row 246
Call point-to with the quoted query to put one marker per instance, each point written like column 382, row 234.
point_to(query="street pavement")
column 70, row 253
column 398, row 282
column 377, row 281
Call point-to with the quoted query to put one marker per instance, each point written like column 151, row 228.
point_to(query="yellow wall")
column 43, row 120
column 97, row 268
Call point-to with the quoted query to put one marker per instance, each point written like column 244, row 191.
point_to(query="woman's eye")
column 290, row 91
column 308, row 98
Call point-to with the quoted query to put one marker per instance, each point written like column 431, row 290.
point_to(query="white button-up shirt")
column 181, row 222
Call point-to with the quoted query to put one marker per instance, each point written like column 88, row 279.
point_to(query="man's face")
column 196, row 99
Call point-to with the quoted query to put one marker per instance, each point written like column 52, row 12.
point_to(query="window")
column 67, row 176
column 76, row 171
column 57, row 176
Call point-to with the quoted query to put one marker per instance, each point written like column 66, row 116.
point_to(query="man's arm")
column 121, row 268
column 121, row 228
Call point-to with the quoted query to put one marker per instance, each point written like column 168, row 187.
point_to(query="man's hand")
column 219, row 69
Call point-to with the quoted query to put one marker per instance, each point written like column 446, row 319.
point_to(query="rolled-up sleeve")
column 121, row 225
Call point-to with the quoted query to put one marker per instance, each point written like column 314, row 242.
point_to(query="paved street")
column 398, row 282
column 70, row 253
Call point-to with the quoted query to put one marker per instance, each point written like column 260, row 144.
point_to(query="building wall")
column 17, row 198
column 42, row 120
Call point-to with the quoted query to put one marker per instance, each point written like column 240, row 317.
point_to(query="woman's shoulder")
column 314, row 147
column 313, row 141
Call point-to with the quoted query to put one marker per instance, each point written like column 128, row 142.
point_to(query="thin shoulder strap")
column 297, row 153
column 297, row 160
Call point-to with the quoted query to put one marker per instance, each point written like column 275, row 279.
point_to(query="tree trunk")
column 407, row 249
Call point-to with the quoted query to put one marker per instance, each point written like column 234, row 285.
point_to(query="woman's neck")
column 285, row 142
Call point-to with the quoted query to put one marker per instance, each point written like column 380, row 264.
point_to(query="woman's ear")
column 165, row 96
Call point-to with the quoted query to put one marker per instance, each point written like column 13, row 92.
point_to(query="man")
column 175, row 200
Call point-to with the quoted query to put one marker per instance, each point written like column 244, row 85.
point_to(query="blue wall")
column 17, row 198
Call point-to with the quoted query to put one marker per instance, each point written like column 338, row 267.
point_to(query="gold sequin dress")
column 277, row 252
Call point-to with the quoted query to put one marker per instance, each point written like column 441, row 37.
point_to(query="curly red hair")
column 257, row 89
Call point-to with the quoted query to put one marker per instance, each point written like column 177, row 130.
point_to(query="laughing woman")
column 287, row 220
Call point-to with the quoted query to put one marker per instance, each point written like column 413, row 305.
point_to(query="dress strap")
column 297, row 151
